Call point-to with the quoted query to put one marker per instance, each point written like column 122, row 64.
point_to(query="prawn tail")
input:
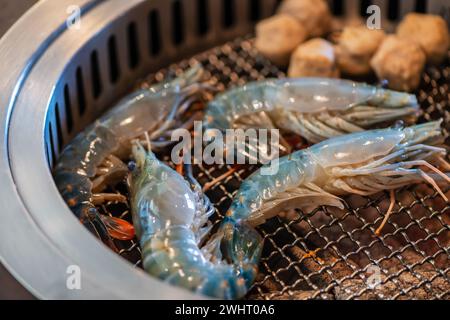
column 232, row 279
column 242, row 246
column 118, row 228
column 92, row 220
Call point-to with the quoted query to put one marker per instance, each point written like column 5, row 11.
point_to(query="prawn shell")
column 362, row 147
column 311, row 95
column 74, row 188
column 118, row 228
column 162, row 258
column 305, row 95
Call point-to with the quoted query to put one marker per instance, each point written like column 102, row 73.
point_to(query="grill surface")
column 330, row 253
column 61, row 79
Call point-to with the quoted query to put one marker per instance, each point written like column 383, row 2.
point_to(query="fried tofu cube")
column 314, row 58
column 400, row 62
column 278, row 36
column 356, row 47
column 314, row 15
column 429, row 31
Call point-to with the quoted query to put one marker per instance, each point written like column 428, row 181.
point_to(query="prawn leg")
column 305, row 198
column 201, row 225
column 388, row 213
column 101, row 198
column 112, row 171
column 400, row 168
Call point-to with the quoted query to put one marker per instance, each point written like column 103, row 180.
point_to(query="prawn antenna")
column 149, row 144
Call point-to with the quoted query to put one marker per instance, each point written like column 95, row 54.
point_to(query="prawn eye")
column 384, row 84
column 399, row 124
column 131, row 166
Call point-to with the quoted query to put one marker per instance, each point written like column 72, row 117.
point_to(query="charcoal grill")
column 56, row 80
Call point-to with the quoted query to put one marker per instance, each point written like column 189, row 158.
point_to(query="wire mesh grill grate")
column 331, row 253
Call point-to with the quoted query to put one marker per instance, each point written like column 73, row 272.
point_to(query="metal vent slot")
column 393, row 10
column 363, row 7
column 114, row 70
column 80, row 92
column 178, row 23
column 58, row 127
column 421, row 6
column 47, row 153
column 337, row 7
column 52, row 144
column 154, row 33
column 133, row 47
column 228, row 13
column 255, row 10
column 68, row 109
column 203, row 21
column 95, row 75
column 276, row 4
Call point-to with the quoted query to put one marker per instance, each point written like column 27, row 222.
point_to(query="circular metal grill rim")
column 29, row 167
column 42, row 61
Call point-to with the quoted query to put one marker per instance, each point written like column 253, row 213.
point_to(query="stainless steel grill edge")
column 57, row 80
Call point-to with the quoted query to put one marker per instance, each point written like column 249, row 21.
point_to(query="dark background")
column 10, row 11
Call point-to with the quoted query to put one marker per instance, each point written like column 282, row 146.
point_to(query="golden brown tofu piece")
column 355, row 49
column 278, row 36
column 429, row 31
column 314, row 15
column 400, row 62
column 314, row 58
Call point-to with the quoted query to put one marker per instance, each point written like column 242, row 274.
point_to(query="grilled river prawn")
column 361, row 163
column 91, row 162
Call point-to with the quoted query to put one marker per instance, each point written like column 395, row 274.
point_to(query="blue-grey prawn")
column 91, row 162
column 170, row 215
column 314, row 108
column 361, row 163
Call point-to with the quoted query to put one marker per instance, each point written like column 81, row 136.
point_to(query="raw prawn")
column 361, row 163
column 170, row 215
column 91, row 161
column 314, row 108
